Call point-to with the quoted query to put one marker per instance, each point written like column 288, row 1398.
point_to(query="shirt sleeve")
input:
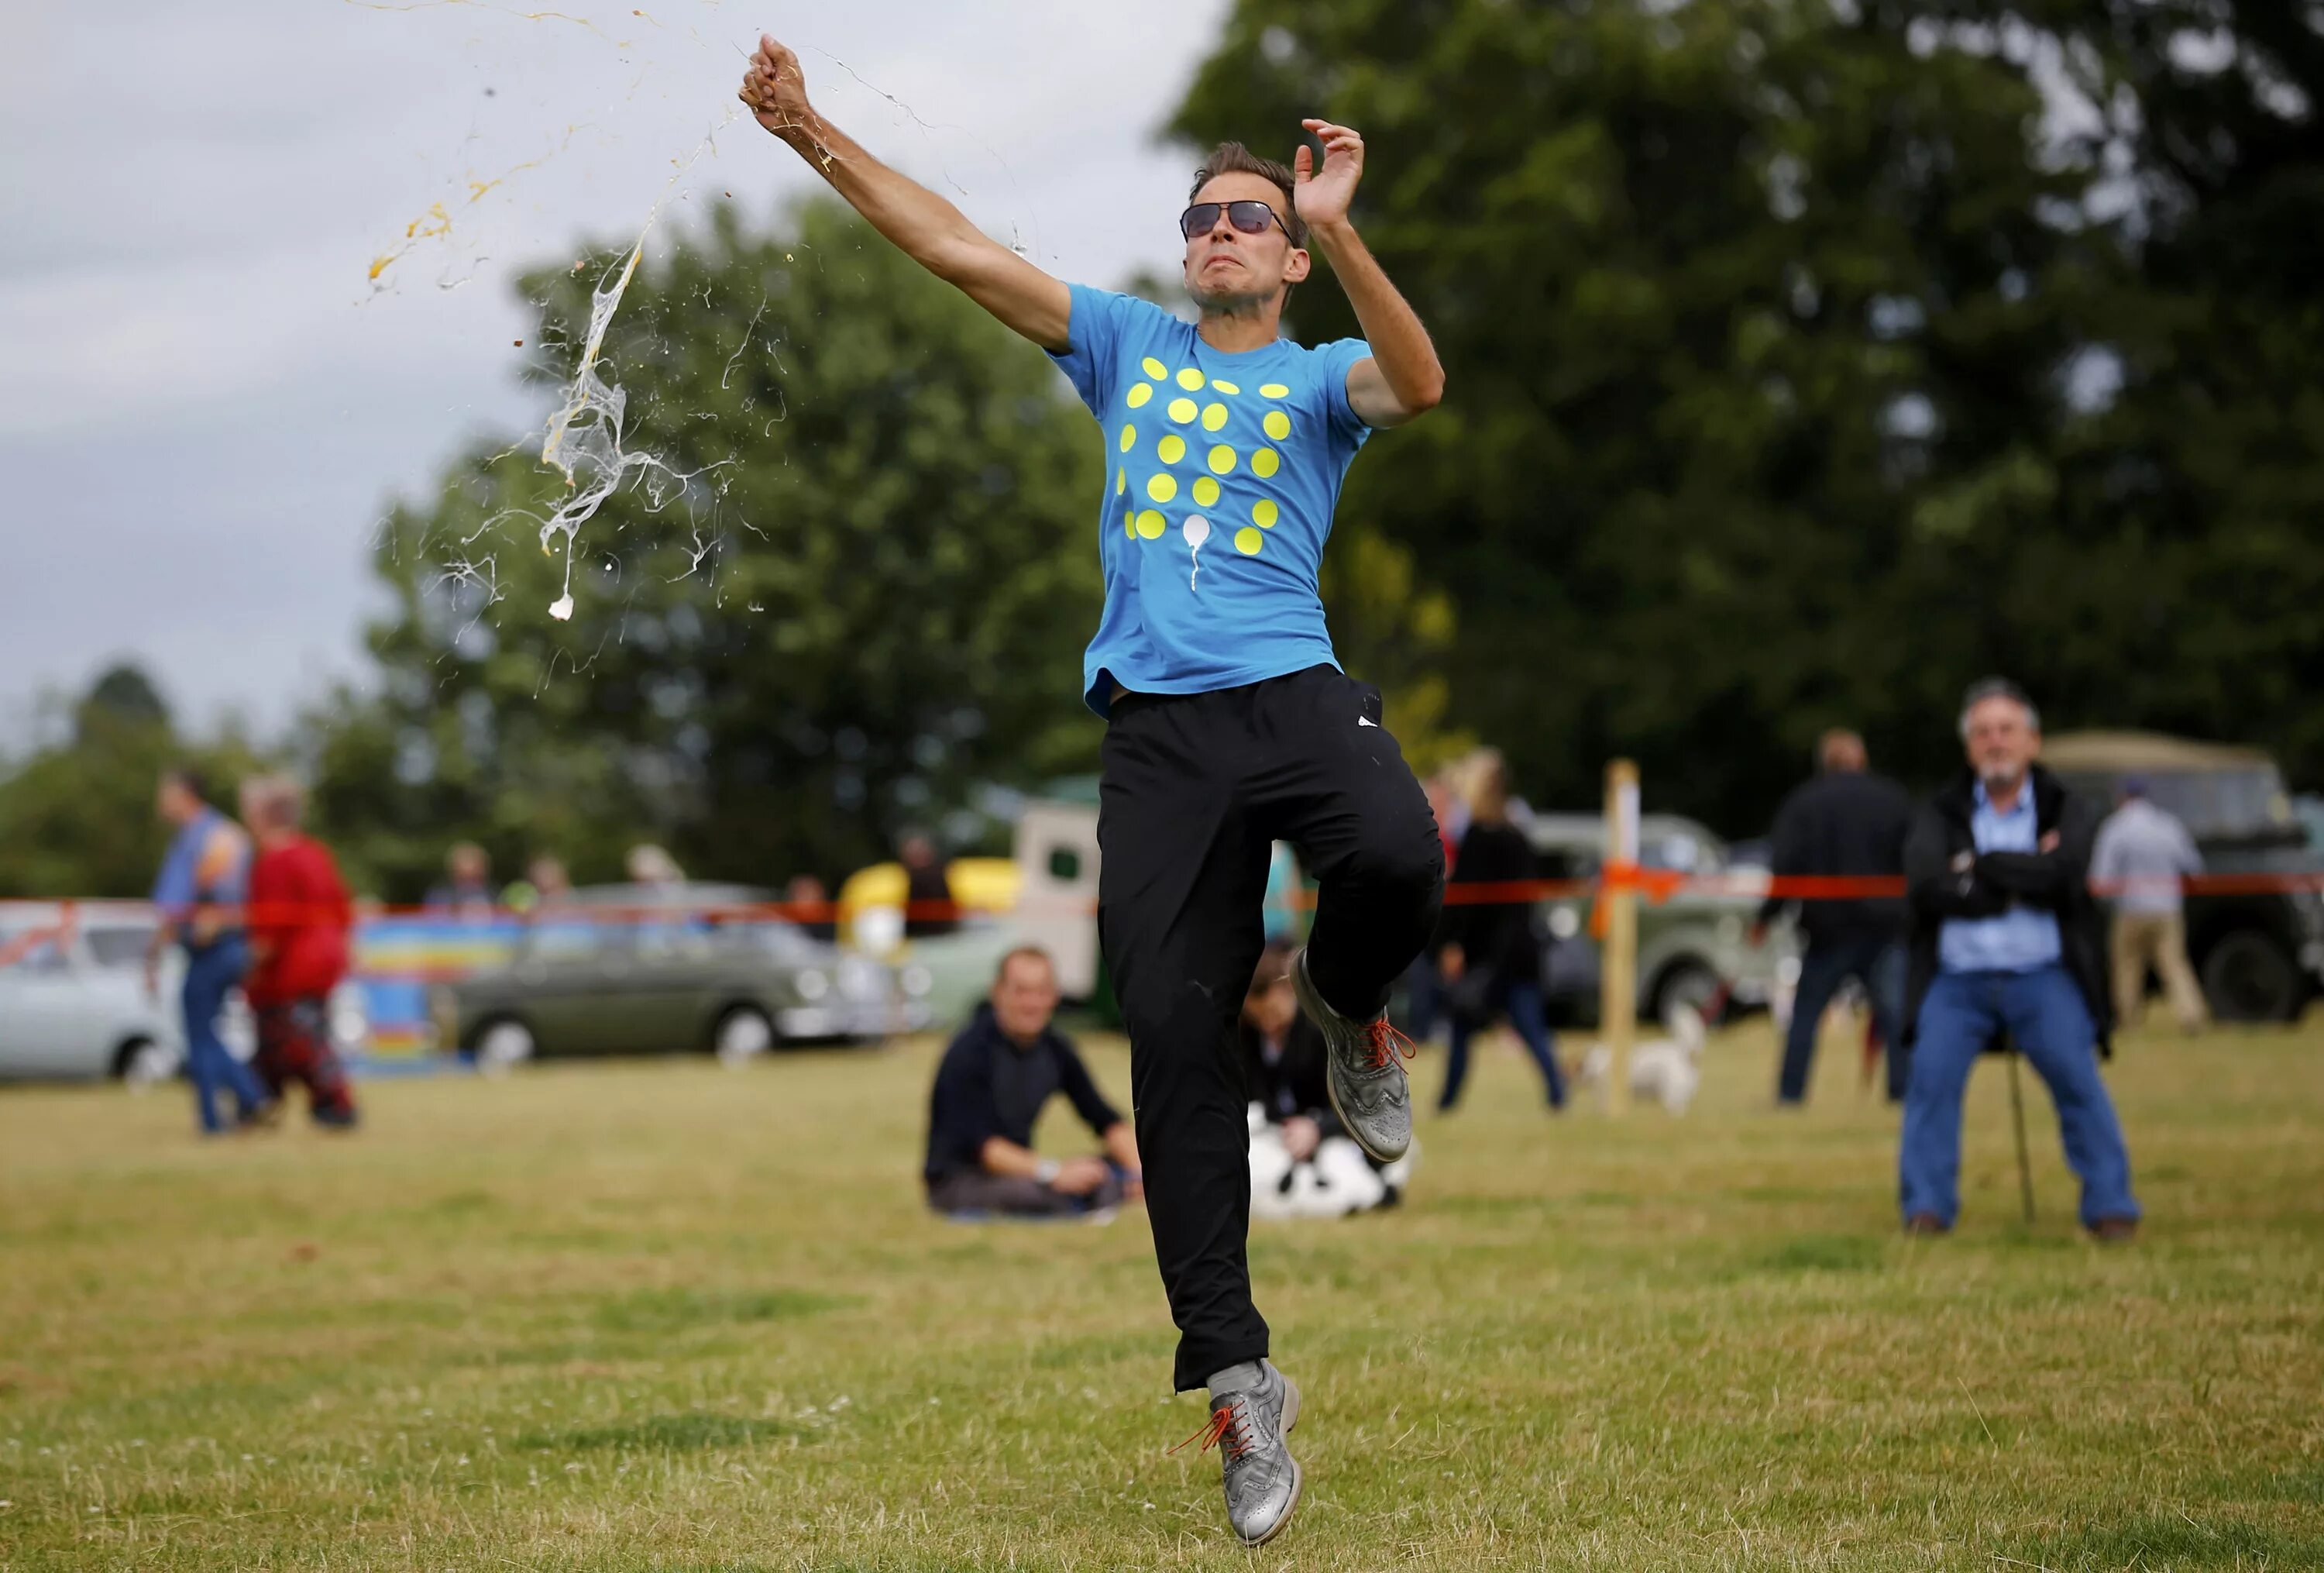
column 961, row 1112
column 1088, row 1102
column 1339, row 358
column 1092, row 352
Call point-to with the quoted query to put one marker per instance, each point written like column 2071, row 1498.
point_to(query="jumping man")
column 1228, row 723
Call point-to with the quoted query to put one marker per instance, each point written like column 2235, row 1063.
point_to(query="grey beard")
column 1228, row 303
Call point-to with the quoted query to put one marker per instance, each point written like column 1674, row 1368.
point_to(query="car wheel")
column 143, row 1063
column 2247, row 976
column 502, row 1045
column 742, row 1035
column 1694, row 985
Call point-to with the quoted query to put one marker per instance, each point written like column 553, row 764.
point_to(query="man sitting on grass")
column 990, row 1090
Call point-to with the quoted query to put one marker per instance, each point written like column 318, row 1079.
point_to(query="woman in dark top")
column 1490, row 959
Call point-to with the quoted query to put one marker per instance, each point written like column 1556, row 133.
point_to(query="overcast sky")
column 206, row 405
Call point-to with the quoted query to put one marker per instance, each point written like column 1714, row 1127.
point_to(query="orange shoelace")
column 1387, row 1043
column 1226, row 1421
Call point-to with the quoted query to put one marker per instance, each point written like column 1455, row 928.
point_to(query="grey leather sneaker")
column 1367, row 1087
column 1262, row 1478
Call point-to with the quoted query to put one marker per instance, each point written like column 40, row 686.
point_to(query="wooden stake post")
column 1617, row 976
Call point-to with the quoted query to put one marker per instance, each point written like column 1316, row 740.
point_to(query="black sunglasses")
column 1250, row 216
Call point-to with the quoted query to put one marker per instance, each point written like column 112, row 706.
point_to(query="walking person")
column 2006, row 940
column 1230, row 724
column 1847, row 822
column 300, row 916
column 2143, row 853
column 200, row 890
column 1491, row 957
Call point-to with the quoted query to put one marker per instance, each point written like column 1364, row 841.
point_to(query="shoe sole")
column 1313, row 1003
column 1298, row 1475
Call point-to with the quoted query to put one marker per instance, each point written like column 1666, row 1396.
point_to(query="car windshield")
column 2222, row 802
column 120, row 944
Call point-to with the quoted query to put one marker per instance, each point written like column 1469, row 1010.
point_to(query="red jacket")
column 299, row 908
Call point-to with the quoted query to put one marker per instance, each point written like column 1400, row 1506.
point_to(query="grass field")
column 660, row 1315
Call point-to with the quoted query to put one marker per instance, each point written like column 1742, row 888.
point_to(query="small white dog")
column 1666, row 1069
column 1336, row 1181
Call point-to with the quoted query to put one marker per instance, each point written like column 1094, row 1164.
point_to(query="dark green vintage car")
column 634, row 969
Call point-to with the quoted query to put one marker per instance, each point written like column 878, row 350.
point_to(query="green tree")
column 1779, row 338
column 77, row 819
column 853, row 589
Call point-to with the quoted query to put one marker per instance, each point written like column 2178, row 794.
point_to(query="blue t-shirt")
column 1221, row 473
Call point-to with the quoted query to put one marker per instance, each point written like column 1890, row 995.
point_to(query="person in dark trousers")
column 300, row 916
column 1490, row 957
column 2006, row 938
column 1230, row 724
column 929, row 907
column 1846, row 822
column 1006, row 1063
column 203, row 883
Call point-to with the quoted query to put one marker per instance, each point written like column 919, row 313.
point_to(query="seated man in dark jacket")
column 989, row 1092
column 2006, row 940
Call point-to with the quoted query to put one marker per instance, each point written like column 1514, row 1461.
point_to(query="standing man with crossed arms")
column 1228, row 722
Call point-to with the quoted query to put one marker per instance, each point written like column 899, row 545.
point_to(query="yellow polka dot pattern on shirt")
column 1263, row 512
column 1267, row 390
column 1214, row 417
column 1162, row 488
column 1206, row 491
column 1190, row 379
column 1150, row 524
column 1129, row 437
column 1223, row 386
column 1154, row 368
column 1265, row 462
column 1276, row 424
column 1140, row 394
column 1247, row 540
column 1222, row 461
column 1172, row 448
column 1121, row 481
column 1182, row 411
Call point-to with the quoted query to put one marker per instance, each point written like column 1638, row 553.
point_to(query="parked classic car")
column 1694, row 948
column 72, row 994
column 647, row 969
column 2260, row 955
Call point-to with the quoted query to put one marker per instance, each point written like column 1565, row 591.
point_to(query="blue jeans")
column 1528, row 1014
column 211, row 974
column 2043, row 1013
column 1879, row 961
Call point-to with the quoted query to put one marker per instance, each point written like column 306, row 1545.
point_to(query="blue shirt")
column 1221, row 473
column 2022, row 939
column 178, row 889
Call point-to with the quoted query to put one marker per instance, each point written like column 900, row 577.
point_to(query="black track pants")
column 1196, row 789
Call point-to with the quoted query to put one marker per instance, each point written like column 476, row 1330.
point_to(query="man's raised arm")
column 1404, row 377
column 928, row 229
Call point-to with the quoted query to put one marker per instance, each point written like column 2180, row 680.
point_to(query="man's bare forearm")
column 923, row 226
column 1399, row 342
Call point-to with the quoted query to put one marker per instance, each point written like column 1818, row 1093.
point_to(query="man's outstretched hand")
column 1323, row 199
column 775, row 90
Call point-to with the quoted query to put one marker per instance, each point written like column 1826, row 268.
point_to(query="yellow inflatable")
column 980, row 884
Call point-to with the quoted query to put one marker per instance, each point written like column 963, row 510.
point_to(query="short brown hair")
column 1020, row 952
column 1231, row 158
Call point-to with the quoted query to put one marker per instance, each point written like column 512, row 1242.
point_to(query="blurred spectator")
column 2006, row 941
column 2142, row 854
column 1847, row 822
column 467, row 888
column 204, row 881
column 1303, row 1161
column 649, row 864
column 544, row 887
column 1424, row 990
column 989, row 1092
column 300, row 916
column 810, row 907
column 929, row 907
column 1489, row 955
